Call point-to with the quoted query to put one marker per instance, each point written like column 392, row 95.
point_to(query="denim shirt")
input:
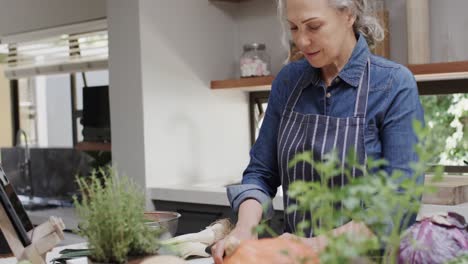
column 393, row 104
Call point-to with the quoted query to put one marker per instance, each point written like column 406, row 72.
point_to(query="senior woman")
column 340, row 96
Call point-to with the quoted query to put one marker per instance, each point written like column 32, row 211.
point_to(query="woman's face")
column 318, row 30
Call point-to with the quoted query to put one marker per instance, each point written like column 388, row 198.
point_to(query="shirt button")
column 336, row 80
column 328, row 95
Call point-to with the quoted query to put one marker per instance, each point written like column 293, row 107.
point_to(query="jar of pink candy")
column 254, row 61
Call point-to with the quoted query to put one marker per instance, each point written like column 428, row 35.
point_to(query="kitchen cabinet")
column 195, row 217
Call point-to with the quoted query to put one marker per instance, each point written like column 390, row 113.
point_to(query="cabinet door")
column 195, row 217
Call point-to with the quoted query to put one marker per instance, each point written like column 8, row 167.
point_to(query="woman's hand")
column 317, row 243
column 250, row 214
column 237, row 235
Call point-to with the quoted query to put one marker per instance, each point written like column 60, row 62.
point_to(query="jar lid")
column 254, row 46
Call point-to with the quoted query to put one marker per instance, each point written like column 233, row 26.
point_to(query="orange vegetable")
column 273, row 251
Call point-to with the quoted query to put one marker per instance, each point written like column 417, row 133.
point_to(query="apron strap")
column 360, row 108
column 306, row 78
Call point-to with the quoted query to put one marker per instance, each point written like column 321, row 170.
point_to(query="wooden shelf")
column 440, row 71
column 248, row 84
column 439, row 68
column 93, row 146
column 422, row 73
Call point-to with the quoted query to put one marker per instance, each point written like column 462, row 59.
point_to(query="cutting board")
column 452, row 190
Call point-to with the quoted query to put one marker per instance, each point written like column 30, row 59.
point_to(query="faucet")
column 25, row 165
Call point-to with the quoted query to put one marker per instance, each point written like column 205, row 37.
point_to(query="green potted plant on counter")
column 111, row 213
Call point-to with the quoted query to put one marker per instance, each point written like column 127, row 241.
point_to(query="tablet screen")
column 14, row 209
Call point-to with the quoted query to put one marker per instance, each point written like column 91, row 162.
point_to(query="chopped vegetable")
column 272, row 251
column 194, row 244
column 163, row 260
column 68, row 254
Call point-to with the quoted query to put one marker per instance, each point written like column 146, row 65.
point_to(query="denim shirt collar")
column 353, row 69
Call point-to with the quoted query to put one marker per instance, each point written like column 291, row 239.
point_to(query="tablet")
column 14, row 209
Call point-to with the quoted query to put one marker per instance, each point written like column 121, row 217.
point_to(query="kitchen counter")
column 212, row 194
column 202, row 193
column 55, row 253
column 67, row 214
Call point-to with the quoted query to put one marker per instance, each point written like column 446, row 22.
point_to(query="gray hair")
column 366, row 23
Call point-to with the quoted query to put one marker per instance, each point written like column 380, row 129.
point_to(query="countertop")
column 212, row 194
column 201, row 193
column 55, row 252
column 209, row 194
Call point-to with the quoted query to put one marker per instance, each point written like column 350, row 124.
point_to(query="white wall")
column 125, row 91
column 192, row 133
column 58, row 98
column 40, row 83
column 258, row 22
column 19, row 16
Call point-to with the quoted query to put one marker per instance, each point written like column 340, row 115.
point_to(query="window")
column 445, row 104
column 75, row 48
column 447, row 116
column 48, row 70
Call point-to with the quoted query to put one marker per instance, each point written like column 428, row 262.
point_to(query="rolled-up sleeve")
column 261, row 179
column 239, row 193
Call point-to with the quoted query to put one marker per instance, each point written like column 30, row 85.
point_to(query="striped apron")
column 318, row 134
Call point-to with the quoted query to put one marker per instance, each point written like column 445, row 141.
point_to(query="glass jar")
column 254, row 61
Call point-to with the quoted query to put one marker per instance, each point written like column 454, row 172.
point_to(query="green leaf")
column 351, row 203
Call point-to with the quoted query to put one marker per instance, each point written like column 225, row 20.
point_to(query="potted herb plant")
column 111, row 213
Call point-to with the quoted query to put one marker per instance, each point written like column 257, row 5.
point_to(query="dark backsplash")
column 53, row 170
